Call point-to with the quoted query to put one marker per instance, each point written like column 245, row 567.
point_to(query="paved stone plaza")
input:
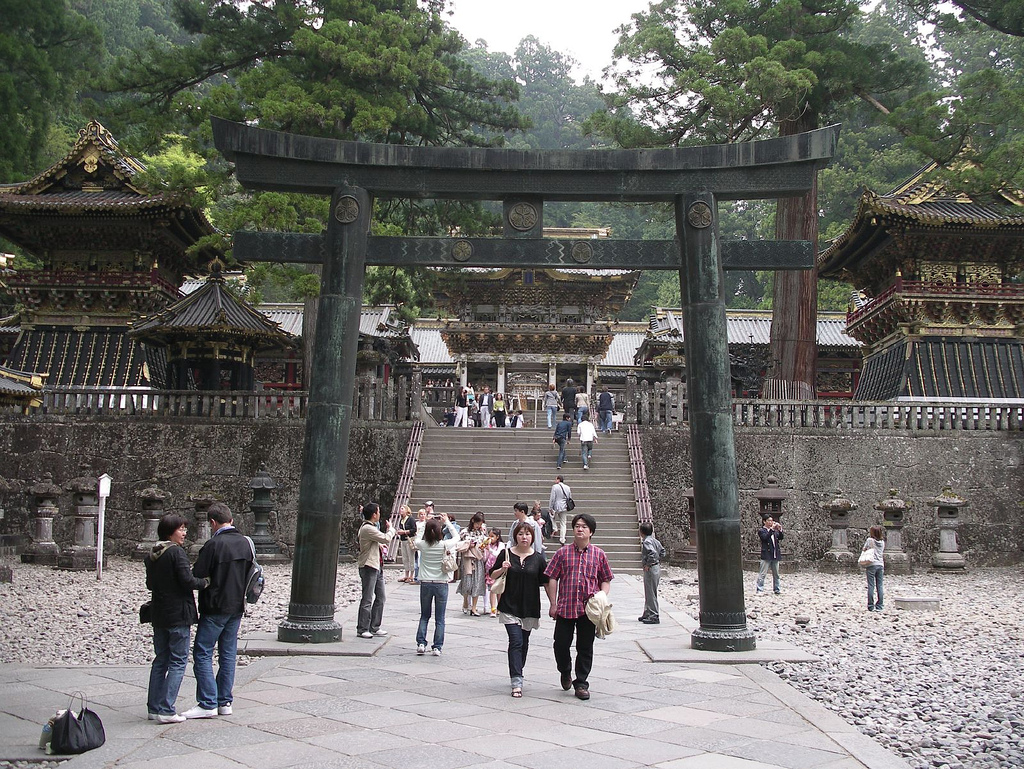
column 389, row 708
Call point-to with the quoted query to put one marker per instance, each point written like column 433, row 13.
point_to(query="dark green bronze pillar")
column 723, row 621
column 328, row 421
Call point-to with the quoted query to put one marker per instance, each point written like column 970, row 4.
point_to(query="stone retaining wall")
column 181, row 455
column 983, row 467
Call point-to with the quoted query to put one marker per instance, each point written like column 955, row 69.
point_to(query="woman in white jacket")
column 875, row 544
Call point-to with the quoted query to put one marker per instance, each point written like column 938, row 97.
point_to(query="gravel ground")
column 941, row 689
column 101, row 625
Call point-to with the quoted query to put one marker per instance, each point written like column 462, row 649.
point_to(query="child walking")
column 491, row 550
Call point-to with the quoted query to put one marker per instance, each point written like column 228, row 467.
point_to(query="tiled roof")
column 101, row 357
column 427, row 337
column 19, row 383
column 750, row 327
column 211, row 308
column 79, row 201
column 623, row 347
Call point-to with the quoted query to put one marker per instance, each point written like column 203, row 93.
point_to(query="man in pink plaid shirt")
column 576, row 572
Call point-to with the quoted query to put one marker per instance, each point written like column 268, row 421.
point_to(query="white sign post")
column 104, row 492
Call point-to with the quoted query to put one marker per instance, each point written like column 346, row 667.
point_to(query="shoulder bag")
column 448, row 561
column 76, row 734
column 498, row 583
column 867, row 558
column 569, row 504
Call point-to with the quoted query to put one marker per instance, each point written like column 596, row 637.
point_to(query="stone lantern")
column 42, row 549
column 262, row 505
column 689, row 550
column 894, row 511
column 153, row 501
column 770, row 499
column 201, row 502
column 839, row 508
column 81, row 555
column 947, row 511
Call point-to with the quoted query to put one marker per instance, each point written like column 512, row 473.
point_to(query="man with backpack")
column 225, row 559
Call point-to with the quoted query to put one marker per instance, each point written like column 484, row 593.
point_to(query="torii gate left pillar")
column 329, row 419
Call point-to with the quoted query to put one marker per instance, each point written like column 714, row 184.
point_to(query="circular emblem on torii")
column 699, row 215
column 581, row 253
column 462, row 250
column 522, row 216
column 347, row 210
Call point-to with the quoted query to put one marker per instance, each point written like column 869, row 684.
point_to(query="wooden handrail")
column 644, row 512
column 405, row 479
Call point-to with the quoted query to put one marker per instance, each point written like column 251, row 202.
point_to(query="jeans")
column 220, row 630
column 436, row 593
column 561, row 452
column 652, row 576
column 585, row 634
column 774, row 564
column 582, row 411
column 170, row 647
column 604, row 421
column 518, row 648
column 371, row 604
column 875, row 574
column 586, row 448
column 552, row 416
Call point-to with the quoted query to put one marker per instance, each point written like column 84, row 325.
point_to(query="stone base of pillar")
column 739, row 640
column 77, row 559
column 686, row 557
column 897, row 563
column 309, row 632
column 837, row 561
column 948, row 561
column 41, row 553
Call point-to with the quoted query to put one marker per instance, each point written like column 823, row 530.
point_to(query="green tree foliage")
column 46, row 52
column 375, row 70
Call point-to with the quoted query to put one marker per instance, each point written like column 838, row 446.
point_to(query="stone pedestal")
column 262, row 505
column 43, row 549
column 894, row 513
column 81, row 556
column 201, row 502
column 687, row 555
column 947, row 511
column 839, row 557
column 153, row 502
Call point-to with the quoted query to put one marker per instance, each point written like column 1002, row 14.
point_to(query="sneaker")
column 436, row 652
column 582, row 693
column 224, row 710
column 380, row 632
column 200, row 712
column 152, row 716
column 421, row 649
column 366, row 634
column 586, row 467
column 172, row 718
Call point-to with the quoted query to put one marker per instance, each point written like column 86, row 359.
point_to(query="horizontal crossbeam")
column 272, row 160
column 537, row 252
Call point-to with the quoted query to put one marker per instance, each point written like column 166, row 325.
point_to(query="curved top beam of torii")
column 273, row 160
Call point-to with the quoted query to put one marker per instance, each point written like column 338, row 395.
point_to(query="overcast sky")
column 583, row 29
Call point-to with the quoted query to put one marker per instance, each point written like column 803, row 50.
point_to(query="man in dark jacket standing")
column 770, row 534
column 569, row 399
column 605, row 408
column 226, row 559
column 173, row 612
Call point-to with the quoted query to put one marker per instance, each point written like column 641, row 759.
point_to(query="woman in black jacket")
column 519, row 605
column 173, row 609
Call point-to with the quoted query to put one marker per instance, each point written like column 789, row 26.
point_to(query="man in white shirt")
column 558, row 504
column 522, row 512
column 588, row 437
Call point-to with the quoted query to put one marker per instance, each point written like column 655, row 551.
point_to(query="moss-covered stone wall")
column 983, row 467
column 183, row 457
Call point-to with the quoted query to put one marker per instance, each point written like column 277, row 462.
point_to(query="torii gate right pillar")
column 723, row 619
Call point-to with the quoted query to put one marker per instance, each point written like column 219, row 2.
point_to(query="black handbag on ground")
column 76, row 734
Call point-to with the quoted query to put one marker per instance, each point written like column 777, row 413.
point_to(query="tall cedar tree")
column 374, row 70
column 708, row 71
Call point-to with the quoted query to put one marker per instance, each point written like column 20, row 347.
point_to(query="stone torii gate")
column 693, row 179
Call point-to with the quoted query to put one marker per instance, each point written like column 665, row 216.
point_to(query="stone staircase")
column 464, row 470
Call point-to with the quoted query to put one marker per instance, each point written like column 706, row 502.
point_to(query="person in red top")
column 576, row 573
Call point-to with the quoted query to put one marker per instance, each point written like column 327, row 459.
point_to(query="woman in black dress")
column 519, row 605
